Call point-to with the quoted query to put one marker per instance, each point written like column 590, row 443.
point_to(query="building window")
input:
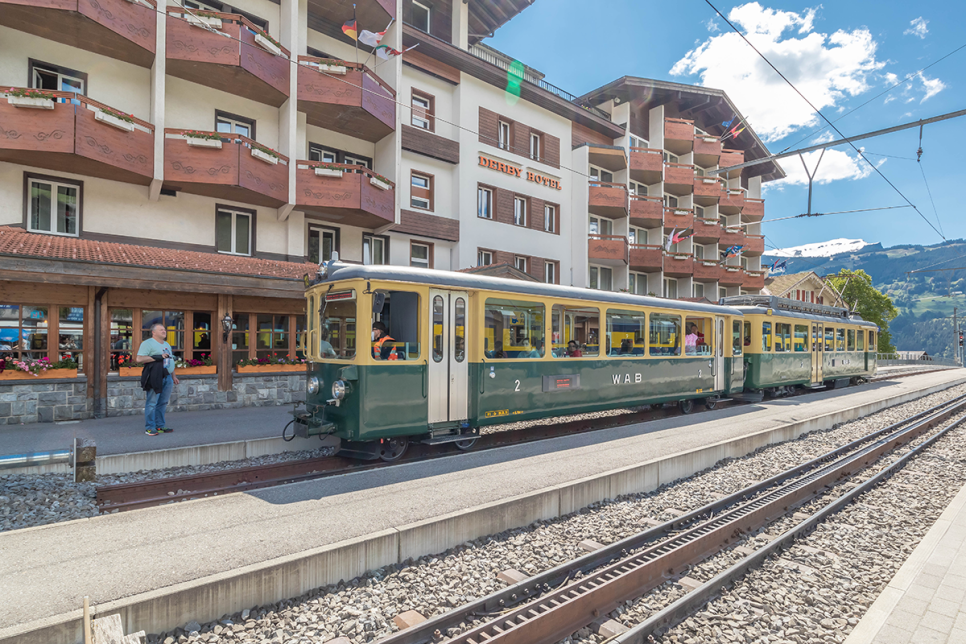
column 520, row 263
column 722, row 292
column 550, row 272
column 423, row 111
column 375, row 250
column 322, row 243
column 484, row 258
column 637, row 236
column 638, row 189
column 637, row 142
column 484, row 203
column 56, row 78
column 601, row 226
column 323, row 155
column 174, row 326
column 601, row 278
column 352, row 159
column 601, row 175
column 550, row 218
column 421, row 194
column 535, row 146
column 519, row 211
column 234, row 124
column 421, row 255
column 670, row 288
column 670, row 202
column 670, row 158
column 51, row 332
column 53, row 207
column 637, row 284
column 504, row 134
column 698, row 251
column 421, row 16
column 699, row 212
column 698, row 290
column 326, row 154
column 233, row 232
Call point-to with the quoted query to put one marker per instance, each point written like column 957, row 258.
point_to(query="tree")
column 873, row 305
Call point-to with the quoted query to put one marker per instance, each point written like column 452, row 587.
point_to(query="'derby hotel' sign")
column 514, row 171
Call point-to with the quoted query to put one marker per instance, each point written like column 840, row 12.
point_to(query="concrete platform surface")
column 46, row 571
column 926, row 600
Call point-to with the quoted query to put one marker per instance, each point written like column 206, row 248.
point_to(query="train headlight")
column 338, row 390
column 313, row 385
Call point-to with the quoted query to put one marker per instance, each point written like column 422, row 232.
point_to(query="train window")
column 736, row 338
column 860, row 340
column 438, row 328
column 783, row 337
column 801, row 337
column 575, row 333
column 395, row 327
column 840, row 339
column 337, row 330
column 460, row 340
column 851, row 340
column 871, row 341
column 747, row 342
column 697, row 336
column 625, row 332
column 829, row 339
column 665, row 335
column 513, row 329
column 766, row 336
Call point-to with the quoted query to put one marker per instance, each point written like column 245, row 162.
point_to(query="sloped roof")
column 781, row 285
column 503, row 269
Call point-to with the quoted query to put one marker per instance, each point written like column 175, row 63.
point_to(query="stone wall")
column 44, row 401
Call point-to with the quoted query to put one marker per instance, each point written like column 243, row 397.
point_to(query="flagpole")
column 356, row 23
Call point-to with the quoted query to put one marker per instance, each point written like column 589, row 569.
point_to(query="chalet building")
column 804, row 287
column 188, row 163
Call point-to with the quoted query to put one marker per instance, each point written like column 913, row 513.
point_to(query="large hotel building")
column 187, row 163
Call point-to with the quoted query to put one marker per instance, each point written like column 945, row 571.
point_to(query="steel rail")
column 431, row 629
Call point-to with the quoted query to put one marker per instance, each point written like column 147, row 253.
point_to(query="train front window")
column 736, row 338
column 801, row 338
column 664, row 337
column 575, row 332
column 697, row 336
column 871, row 341
column 766, row 336
column 625, row 333
column 747, row 341
column 395, row 325
column 337, row 329
column 513, row 329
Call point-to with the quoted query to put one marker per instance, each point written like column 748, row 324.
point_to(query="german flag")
column 350, row 30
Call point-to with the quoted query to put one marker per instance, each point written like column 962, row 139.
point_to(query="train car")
column 461, row 352
column 790, row 344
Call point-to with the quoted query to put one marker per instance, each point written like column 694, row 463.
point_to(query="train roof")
column 760, row 304
column 468, row 281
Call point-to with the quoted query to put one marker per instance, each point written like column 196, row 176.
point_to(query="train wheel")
column 466, row 445
column 710, row 403
column 392, row 449
column 686, row 406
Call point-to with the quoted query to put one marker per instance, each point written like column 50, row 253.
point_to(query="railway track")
column 551, row 605
column 142, row 494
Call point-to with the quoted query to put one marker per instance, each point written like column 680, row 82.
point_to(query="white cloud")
column 825, row 68
column 835, row 166
column 932, row 86
column 917, row 28
column 712, row 25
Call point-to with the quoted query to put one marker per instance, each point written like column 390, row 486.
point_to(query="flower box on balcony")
column 267, row 45
column 271, row 368
column 196, row 371
column 332, row 69
column 262, row 155
column 328, row 172
column 203, row 143
column 31, row 102
column 113, row 121
column 379, row 183
column 10, row 374
column 202, row 21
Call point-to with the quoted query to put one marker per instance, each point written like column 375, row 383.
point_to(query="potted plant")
column 266, row 42
column 32, row 98
column 128, row 367
column 262, row 153
column 28, row 368
column 200, row 139
column 331, row 66
column 271, row 364
column 380, row 181
column 203, row 18
column 120, row 120
column 327, row 170
column 197, row 366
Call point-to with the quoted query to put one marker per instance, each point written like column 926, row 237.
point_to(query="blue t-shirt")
column 152, row 347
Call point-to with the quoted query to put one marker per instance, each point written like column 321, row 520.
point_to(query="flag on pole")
column 349, row 29
column 727, row 124
column 681, row 236
column 778, row 268
column 731, row 251
column 366, row 37
column 670, row 239
column 386, row 52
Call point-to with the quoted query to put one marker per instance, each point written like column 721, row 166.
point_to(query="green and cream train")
column 400, row 354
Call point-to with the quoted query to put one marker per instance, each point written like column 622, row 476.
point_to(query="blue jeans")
column 156, row 403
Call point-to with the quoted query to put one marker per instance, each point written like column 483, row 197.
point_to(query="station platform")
column 201, row 559
column 925, row 603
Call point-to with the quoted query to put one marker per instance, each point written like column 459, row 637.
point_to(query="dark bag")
column 152, row 376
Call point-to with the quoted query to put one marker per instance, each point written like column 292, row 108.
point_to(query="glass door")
column 448, row 366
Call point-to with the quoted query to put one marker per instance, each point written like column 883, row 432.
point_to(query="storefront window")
column 70, row 334
column 239, row 337
column 272, row 336
column 173, row 322
column 122, row 337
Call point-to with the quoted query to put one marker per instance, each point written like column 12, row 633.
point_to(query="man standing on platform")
column 157, row 378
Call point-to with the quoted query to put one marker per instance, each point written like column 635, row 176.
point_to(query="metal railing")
column 887, row 359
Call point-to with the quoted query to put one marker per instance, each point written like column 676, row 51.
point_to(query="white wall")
column 192, row 106
column 444, row 94
column 445, row 178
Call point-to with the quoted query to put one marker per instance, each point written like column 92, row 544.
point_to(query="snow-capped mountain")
column 821, row 249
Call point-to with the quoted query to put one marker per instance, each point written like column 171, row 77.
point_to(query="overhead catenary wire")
column 838, row 212
column 830, row 123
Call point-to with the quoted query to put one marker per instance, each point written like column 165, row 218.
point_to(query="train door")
column 818, row 339
column 719, row 344
column 448, row 366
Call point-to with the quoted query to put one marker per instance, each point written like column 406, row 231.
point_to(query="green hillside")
column 925, row 300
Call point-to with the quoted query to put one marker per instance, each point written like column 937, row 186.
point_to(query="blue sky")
column 839, row 54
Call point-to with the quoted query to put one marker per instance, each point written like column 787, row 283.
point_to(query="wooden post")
column 89, row 331
column 224, row 345
column 87, row 619
column 104, row 361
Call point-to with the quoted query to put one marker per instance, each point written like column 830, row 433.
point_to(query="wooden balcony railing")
column 707, row 270
column 610, row 249
column 345, row 192
column 754, row 245
column 646, row 212
column 646, row 165
column 754, row 280
column 678, row 264
column 731, row 276
column 646, row 258
column 706, row 230
column 607, row 199
column 678, row 178
column 753, row 211
column 679, row 218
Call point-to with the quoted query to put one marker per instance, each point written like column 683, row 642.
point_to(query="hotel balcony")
column 753, row 212
column 730, row 158
column 678, row 135
column 237, row 64
column 330, row 96
column 678, row 265
column 115, row 28
column 707, row 270
column 731, row 276
column 646, row 258
column 678, row 179
column 231, row 167
column 368, row 12
column 646, row 212
column 646, row 165
column 754, row 280
column 348, row 194
column 607, row 250
column 679, row 219
column 707, row 150
column 732, row 202
column 731, row 236
column 84, row 138
column 754, row 245
column 609, row 157
column 607, row 199
column 707, row 191
column 706, row 231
